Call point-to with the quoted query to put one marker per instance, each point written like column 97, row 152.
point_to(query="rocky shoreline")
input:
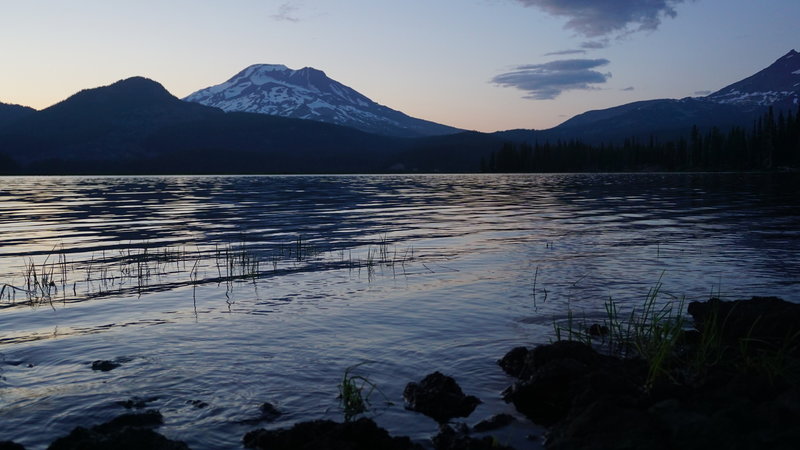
column 731, row 381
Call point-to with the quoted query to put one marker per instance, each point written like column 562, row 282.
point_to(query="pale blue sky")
column 433, row 59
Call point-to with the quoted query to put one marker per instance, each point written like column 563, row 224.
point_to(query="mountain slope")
column 10, row 113
column 663, row 118
column 136, row 126
column 778, row 85
column 107, row 122
column 737, row 104
column 309, row 94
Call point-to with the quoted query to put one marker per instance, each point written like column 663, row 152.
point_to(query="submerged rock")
column 268, row 413
column 439, row 397
column 493, row 423
column 362, row 434
column 458, row 438
column 104, row 365
column 597, row 330
column 125, row 432
column 199, row 404
column 137, row 402
column 515, row 362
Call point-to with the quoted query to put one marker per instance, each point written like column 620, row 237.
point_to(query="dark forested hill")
column 10, row 113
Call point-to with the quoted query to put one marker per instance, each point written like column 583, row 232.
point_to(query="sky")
column 483, row 65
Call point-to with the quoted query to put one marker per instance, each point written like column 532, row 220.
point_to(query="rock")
column 439, row 397
column 451, row 439
column 137, row 402
column 8, row 445
column 604, row 425
column 199, row 404
column 149, row 418
column 578, row 351
column 362, row 434
column 597, row 330
column 126, row 432
column 104, row 365
column 760, row 319
column 269, row 413
column 522, row 362
column 493, row 423
column 515, row 361
column 567, row 374
column 715, row 392
column 547, row 396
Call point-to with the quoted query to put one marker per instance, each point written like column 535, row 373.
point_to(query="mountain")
column 309, row 94
column 10, row 113
column 108, row 122
column 737, row 104
column 662, row 118
column 137, row 126
column 778, row 85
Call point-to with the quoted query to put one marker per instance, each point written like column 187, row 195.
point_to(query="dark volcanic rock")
column 760, row 319
column 439, row 396
column 9, row 445
column 733, row 383
column 578, row 351
column 494, row 422
column 149, row 418
column 104, row 365
column 547, row 397
column 607, row 425
column 126, row 432
column 199, row 404
column 597, row 330
column 362, row 434
column 268, row 413
column 515, row 361
column 137, row 402
column 459, row 439
column 554, row 377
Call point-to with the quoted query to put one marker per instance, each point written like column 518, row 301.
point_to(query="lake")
column 216, row 294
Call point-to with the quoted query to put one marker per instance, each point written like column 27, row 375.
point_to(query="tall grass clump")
column 651, row 331
column 354, row 393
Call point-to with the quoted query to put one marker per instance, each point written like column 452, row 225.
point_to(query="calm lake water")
column 235, row 291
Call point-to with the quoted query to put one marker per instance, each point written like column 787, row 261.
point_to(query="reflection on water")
column 234, row 291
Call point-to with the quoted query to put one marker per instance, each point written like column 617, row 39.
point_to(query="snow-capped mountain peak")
column 777, row 85
column 308, row 93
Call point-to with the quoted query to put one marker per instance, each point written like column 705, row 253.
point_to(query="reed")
column 354, row 393
column 651, row 332
column 140, row 267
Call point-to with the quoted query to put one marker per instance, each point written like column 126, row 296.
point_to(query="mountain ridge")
column 737, row 104
column 308, row 93
column 136, row 126
column 776, row 85
column 10, row 112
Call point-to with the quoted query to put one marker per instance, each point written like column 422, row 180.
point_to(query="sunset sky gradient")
column 476, row 64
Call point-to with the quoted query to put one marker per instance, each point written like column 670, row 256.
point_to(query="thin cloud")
column 627, row 89
column 595, row 45
column 286, row 13
column 565, row 52
column 594, row 18
column 547, row 81
column 701, row 93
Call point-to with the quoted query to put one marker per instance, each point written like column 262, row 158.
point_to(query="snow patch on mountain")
column 308, row 93
column 777, row 85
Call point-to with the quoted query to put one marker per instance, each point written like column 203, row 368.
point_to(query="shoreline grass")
column 139, row 268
